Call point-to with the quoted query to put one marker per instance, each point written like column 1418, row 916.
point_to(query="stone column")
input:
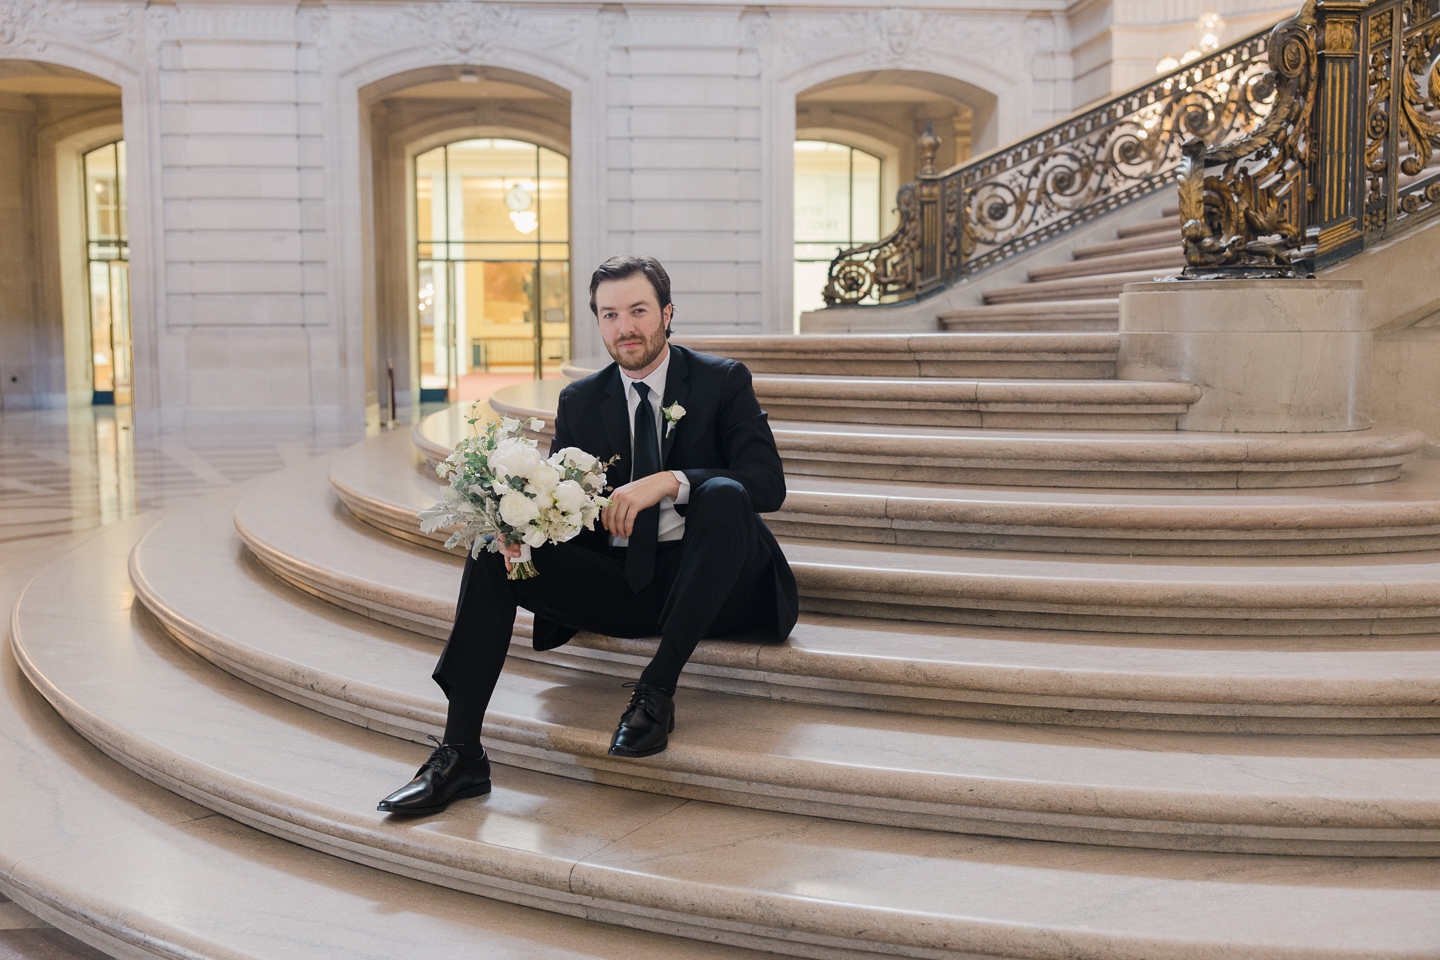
column 1272, row 356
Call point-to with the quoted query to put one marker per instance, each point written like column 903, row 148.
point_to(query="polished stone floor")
column 65, row 474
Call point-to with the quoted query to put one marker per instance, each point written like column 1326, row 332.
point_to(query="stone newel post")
column 1272, row 356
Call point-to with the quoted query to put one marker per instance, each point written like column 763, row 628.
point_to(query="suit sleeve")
column 746, row 444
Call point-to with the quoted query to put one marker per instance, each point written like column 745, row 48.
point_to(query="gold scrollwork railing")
column 1325, row 132
column 960, row 221
column 1350, row 154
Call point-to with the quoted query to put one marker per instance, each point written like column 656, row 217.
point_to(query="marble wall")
column 259, row 262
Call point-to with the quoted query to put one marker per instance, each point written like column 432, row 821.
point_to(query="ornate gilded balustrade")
column 1349, row 155
column 1295, row 147
column 959, row 221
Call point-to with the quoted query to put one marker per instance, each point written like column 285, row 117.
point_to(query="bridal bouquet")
column 503, row 489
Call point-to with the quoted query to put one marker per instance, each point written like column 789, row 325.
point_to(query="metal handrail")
column 957, row 222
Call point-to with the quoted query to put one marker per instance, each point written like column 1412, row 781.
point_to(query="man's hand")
column 627, row 501
column 510, row 551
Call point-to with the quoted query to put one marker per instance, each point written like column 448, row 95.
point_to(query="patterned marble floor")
column 68, row 473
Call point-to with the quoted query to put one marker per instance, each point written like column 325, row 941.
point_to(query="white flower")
column 514, row 458
column 570, row 497
column 672, row 413
column 535, row 538
column 577, row 458
column 541, row 478
column 517, row 510
column 509, row 424
column 535, row 424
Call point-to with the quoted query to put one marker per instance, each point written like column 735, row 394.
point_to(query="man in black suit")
column 683, row 552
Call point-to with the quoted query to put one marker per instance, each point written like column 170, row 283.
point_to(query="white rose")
column 570, row 497
column 541, row 479
column 514, row 458
column 579, row 459
column 517, row 509
column 594, row 482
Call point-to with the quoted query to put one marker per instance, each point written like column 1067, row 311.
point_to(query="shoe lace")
column 439, row 757
column 646, row 697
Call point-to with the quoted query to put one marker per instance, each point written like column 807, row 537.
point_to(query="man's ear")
column 669, row 318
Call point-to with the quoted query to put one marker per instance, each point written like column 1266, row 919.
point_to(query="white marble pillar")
column 1272, row 356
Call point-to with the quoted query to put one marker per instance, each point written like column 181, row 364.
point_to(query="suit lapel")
column 677, row 390
column 616, row 415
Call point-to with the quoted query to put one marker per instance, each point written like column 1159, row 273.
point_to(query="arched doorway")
column 64, row 240
column 492, row 262
column 838, row 204
column 857, row 135
column 107, row 273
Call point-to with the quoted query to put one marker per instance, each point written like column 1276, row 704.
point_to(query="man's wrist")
column 682, row 493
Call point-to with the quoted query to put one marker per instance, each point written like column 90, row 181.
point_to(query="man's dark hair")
column 618, row 268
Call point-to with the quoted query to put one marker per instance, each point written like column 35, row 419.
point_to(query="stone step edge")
column 1021, row 694
column 1337, row 519
column 1068, row 529
column 926, row 346
column 1332, row 607
column 508, row 876
column 714, row 912
column 914, row 798
column 105, row 916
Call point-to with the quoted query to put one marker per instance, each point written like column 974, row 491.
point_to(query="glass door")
column 837, row 206
column 107, row 255
column 492, row 264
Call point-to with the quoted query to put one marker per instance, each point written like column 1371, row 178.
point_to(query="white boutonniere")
column 672, row 413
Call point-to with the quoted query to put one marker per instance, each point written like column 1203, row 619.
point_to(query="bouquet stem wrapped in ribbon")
column 503, row 492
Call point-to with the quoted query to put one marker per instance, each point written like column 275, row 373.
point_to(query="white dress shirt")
column 672, row 525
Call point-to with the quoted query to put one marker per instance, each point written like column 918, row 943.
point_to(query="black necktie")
column 640, row 558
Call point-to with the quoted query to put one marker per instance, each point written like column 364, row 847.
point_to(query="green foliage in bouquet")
column 503, row 492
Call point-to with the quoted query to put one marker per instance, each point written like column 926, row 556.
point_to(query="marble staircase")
column 1059, row 690
column 1083, row 294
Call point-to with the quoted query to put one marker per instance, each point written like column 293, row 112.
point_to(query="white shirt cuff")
column 684, row 495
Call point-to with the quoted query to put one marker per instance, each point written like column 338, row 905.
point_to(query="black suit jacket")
column 724, row 433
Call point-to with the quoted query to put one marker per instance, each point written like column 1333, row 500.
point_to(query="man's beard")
column 653, row 348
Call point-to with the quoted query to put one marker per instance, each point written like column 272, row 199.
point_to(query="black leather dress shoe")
column 446, row 776
column 646, row 725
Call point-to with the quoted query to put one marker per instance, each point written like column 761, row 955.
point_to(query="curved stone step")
column 1168, row 260
column 1150, row 789
column 1291, row 685
column 789, row 884
column 137, row 871
column 1017, row 404
column 1034, row 458
column 1169, row 224
column 1071, row 356
column 1176, row 460
column 1148, row 241
column 385, row 482
column 931, row 401
column 1100, row 286
column 1100, row 315
column 297, row 527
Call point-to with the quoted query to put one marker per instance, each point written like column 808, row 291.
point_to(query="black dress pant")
column 715, row 581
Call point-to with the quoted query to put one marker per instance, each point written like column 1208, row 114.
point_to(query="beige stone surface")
column 1401, row 515
column 1281, row 356
column 801, row 885
column 1074, row 458
column 334, row 561
column 297, row 526
column 140, row 872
